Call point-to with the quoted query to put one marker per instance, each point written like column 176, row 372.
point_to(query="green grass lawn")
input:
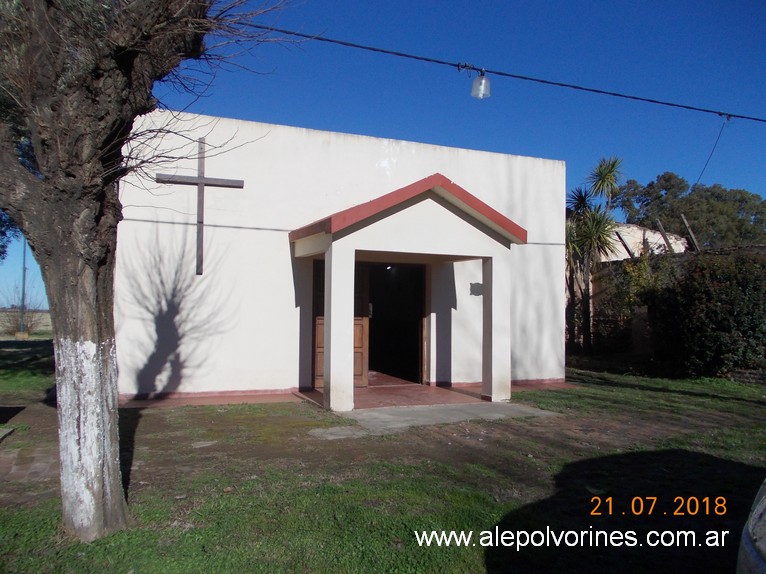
column 281, row 521
column 26, row 370
column 250, row 505
column 729, row 406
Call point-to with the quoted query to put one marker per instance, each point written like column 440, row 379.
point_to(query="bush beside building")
column 705, row 314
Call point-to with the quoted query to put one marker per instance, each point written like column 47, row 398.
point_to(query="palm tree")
column 574, row 272
column 590, row 236
column 594, row 238
column 580, row 201
column 604, row 180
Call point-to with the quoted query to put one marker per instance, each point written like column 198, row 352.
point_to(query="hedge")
column 711, row 319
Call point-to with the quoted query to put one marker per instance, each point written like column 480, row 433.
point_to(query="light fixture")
column 480, row 88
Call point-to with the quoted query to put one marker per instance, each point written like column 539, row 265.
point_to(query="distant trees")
column 719, row 217
column 695, row 302
column 21, row 308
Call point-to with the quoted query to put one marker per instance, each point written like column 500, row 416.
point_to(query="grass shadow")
column 35, row 357
column 624, row 363
column 127, row 428
column 26, row 371
column 673, row 477
column 591, row 378
column 7, row 413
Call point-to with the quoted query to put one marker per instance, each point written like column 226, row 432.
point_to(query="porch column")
column 339, row 328
column 496, row 329
column 443, row 299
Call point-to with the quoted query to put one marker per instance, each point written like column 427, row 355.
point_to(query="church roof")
column 436, row 183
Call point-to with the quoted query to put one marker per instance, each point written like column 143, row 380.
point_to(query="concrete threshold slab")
column 388, row 420
column 4, row 432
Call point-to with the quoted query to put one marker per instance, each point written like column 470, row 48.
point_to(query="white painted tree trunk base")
column 91, row 485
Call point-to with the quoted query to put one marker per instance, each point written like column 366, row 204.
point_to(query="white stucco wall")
column 240, row 326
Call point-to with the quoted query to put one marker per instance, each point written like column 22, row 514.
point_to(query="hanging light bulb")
column 480, row 88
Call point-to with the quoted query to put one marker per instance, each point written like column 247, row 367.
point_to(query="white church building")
column 257, row 258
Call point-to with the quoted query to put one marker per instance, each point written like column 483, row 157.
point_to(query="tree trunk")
column 571, row 309
column 79, row 279
column 74, row 76
column 587, row 339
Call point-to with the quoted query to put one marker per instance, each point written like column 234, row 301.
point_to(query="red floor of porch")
column 387, row 391
column 402, row 396
column 383, row 391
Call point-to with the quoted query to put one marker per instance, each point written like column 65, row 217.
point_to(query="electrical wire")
column 715, row 145
column 461, row 66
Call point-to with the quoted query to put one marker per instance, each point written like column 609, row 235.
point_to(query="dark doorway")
column 389, row 302
column 396, row 306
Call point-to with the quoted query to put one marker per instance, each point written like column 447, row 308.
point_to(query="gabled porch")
column 430, row 225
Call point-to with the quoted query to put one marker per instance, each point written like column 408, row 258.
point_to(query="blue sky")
column 709, row 54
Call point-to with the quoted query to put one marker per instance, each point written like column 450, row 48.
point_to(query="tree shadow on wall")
column 673, row 477
column 179, row 309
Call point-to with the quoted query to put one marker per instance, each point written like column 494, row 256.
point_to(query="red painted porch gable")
column 447, row 189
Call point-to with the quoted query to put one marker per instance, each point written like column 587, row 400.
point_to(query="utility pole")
column 664, row 236
column 691, row 234
column 23, row 283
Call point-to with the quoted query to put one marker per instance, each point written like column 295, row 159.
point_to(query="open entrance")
column 389, row 305
column 396, row 310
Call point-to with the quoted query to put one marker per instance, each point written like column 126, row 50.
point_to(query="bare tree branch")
column 74, row 77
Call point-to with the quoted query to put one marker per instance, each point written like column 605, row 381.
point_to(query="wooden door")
column 318, row 352
column 361, row 351
column 361, row 324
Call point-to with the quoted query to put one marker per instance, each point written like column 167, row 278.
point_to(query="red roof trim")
column 437, row 182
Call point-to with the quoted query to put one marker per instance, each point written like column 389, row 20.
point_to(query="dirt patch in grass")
column 191, row 471
column 160, row 446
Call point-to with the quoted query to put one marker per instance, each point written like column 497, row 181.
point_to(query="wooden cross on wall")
column 200, row 181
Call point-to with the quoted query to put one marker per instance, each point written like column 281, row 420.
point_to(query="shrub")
column 620, row 296
column 10, row 321
column 712, row 318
